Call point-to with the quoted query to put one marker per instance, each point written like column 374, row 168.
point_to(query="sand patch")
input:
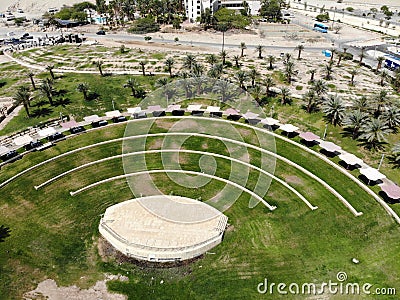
column 293, row 179
column 48, row 289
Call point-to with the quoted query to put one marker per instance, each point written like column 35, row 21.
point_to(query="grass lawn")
column 55, row 235
column 68, row 101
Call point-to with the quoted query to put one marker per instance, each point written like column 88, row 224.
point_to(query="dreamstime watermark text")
column 340, row 286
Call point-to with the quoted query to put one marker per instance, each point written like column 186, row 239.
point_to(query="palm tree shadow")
column 62, row 102
column 347, row 132
column 393, row 161
column 61, row 92
column 40, row 103
column 41, row 112
column 373, row 146
column 92, row 96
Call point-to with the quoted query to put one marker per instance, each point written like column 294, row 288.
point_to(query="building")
column 254, row 5
column 163, row 228
column 194, row 8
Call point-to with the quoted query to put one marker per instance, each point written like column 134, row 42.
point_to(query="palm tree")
column 396, row 79
column 4, row 233
column 320, row 87
column 189, row 61
column 340, row 56
column 187, row 85
column 328, row 70
column 99, row 64
column 50, row 69
column 216, row 71
column 241, row 77
column 133, row 85
column 197, row 70
column 392, row 117
column 169, row 64
column 23, row 96
column 260, row 50
column 163, row 81
column 289, row 71
column 236, row 58
column 142, row 63
column 396, row 152
column 200, row 83
column 211, row 59
column 353, row 73
column 31, row 74
column 222, row 87
column 271, row 59
column 223, row 55
column 333, row 51
column 84, row 89
column 242, row 48
column 362, row 55
column 374, row 133
column 46, row 90
column 257, row 92
column 312, row 72
column 380, row 60
column 384, row 75
column 354, row 120
column 362, row 104
column 253, row 74
column 287, row 58
column 380, row 100
column 285, row 93
column 311, row 99
column 334, row 110
column 268, row 82
column 299, row 48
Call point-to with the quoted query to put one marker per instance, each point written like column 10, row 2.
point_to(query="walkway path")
column 43, row 68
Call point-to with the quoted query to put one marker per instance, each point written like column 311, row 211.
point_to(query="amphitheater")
column 135, row 229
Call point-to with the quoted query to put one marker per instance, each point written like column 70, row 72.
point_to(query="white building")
column 194, row 8
column 254, row 5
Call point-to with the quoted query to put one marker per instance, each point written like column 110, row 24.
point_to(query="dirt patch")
column 109, row 253
column 49, row 289
column 293, row 179
column 156, row 144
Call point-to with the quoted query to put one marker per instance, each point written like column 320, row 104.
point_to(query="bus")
column 392, row 62
column 321, row 27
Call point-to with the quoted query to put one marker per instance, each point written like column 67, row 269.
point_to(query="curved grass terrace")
column 55, row 235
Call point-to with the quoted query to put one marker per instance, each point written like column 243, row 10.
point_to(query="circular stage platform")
column 163, row 228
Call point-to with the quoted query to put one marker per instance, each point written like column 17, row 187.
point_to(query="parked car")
column 101, row 32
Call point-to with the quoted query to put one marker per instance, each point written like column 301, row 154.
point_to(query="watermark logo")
column 339, row 287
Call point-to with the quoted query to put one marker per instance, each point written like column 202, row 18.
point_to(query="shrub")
column 322, row 17
column 350, row 9
column 144, row 25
